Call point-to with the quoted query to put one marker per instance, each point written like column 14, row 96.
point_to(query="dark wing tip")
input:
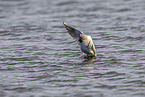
column 64, row 23
column 68, row 27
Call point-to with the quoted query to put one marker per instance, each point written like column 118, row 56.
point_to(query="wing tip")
column 68, row 27
column 65, row 23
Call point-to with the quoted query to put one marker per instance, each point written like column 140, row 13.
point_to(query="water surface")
column 38, row 58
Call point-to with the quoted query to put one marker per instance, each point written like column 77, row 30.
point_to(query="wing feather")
column 81, row 37
column 73, row 31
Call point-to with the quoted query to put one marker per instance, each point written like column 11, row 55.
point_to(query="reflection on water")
column 38, row 57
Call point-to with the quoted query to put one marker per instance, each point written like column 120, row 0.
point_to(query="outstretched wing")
column 73, row 31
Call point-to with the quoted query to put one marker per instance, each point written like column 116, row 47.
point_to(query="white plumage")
column 85, row 41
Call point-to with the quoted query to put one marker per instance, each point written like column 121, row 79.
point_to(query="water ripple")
column 39, row 58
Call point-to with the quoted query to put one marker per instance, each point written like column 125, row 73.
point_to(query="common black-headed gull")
column 85, row 41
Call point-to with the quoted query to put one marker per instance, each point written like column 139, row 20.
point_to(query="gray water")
column 38, row 58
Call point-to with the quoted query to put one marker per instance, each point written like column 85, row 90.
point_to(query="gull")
column 85, row 41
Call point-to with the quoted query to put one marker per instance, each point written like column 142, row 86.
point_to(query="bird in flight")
column 85, row 41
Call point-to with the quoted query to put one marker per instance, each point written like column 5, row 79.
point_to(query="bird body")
column 85, row 41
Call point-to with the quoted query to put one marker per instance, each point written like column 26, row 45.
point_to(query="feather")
column 73, row 31
column 85, row 41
